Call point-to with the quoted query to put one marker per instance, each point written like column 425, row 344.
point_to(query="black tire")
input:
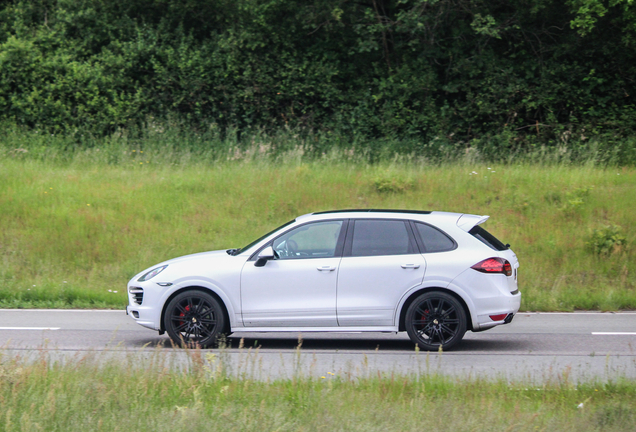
column 194, row 319
column 435, row 319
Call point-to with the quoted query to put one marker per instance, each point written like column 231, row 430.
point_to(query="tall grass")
column 77, row 222
column 86, row 393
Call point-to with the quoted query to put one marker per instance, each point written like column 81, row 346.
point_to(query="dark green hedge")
column 512, row 71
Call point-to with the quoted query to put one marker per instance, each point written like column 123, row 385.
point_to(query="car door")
column 298, row 287
column 381, row 262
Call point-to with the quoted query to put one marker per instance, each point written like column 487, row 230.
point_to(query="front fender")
column 231, row 302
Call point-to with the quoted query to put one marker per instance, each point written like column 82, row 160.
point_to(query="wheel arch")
column 414, row 295
column 202, row 289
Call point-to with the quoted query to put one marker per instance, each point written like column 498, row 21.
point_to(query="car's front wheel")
column 194, row 319
column 435, row 319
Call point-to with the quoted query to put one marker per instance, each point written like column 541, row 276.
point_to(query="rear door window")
column 375, row 237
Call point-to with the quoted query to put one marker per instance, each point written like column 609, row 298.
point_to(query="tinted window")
column 380, row 237
column 313, row 240
column 488, row 239
column 433, row 239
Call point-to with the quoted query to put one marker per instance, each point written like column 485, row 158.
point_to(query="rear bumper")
column 507, row 306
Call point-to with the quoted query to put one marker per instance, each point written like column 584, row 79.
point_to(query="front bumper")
column 141, row 316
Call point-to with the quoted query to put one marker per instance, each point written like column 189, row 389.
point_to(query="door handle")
column 326, row 268
column 410, row 266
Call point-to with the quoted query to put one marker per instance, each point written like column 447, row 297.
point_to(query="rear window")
column 488, row 239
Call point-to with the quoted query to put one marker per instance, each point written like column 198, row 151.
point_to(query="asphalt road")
column 536, row 347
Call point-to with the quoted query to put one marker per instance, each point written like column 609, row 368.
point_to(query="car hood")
column 187, row 260
column 196, row 256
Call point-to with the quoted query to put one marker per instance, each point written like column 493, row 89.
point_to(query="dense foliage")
column 511, row 72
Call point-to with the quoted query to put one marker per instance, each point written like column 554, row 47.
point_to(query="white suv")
column 431, row 274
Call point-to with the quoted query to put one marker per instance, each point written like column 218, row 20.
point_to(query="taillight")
column 494, row 265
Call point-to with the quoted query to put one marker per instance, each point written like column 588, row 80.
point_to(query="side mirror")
column 264, row 256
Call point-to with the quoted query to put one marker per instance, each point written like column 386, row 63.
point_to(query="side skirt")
column 382, row 329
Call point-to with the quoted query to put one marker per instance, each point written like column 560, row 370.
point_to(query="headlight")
column 152, row 273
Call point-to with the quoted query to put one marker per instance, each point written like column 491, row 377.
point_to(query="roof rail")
column 373, row 211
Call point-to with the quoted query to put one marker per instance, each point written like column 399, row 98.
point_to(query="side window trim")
column 346, row 252
column 341, row 238
column 418, row 238
column 348, row 243
column 415, row 238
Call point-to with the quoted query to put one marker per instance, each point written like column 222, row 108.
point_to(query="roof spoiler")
column 468, row 221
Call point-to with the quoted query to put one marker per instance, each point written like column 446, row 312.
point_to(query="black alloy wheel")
column 435, row 319
column 194, row 319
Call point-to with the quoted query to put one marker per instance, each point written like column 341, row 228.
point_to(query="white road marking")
column 29, row 328
column 614, row 333
column 65, row 310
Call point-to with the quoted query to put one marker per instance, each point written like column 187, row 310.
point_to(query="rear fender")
column 451, row 289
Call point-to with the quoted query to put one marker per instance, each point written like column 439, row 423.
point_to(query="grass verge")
column 75, row 225
column 85, row 394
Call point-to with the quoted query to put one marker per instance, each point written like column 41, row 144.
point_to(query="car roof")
column 461, row 220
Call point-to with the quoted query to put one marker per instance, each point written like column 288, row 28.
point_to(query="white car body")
column 343, row 293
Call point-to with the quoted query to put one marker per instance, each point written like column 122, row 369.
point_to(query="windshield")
column 243, row 249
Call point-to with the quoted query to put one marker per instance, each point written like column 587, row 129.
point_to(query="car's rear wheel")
column 194, row 319
column 435, row 319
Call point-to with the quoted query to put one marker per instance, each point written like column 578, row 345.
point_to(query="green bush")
column 607, row 240
column 390, row 183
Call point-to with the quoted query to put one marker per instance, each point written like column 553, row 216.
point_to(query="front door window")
column 316, row 240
